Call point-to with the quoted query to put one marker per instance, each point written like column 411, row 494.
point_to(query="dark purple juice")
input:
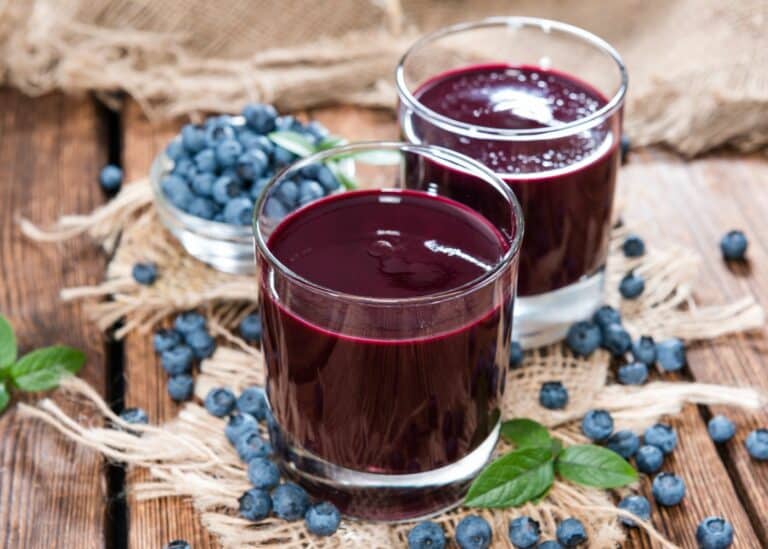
column 565, row 183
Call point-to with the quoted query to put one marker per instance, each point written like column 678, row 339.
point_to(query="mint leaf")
column 346, row 181
column 330, row 142
column 595, row 466
column 526, row 433
column 513, row 479
column 5, row 396
column 557, row 447
column 8, row 349
column 42, row 369
column 293, row 141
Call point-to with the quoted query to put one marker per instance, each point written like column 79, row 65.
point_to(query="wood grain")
column 52, row 492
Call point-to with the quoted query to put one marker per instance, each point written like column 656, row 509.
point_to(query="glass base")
column 545, row 318
column 382, row 497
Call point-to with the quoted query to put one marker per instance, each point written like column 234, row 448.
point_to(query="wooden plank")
column 52, row 492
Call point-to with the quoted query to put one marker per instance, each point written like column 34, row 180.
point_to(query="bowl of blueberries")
column 210, row 175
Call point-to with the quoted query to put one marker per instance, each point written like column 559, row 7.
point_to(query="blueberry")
column 251, row 164
column 553, row 395
column 549, row 544
column 649, row 459
column 757, row 444
column 263, row 473
column 218, row 130
column 322, row 519
column 202, row 184
column 111, row 178
column 250, row 327
column 188, row 322
column 258, row 187
column 205, row 161
column 202, row 208
column 734, row 245
column 635, row 373
column 288, row 123
column 473, row 532
column 184, row 167
column 516, row 355
column 316, row 130
column 583, row 338
column 253, row 401
column 524, row 532
column 605, row 316
column 252, row 445
column 625, row 443
column 633, row 246
column 219, row 402
column 165, row 339
column 309, row 191
column 260, row 117
column 181, row 387
column 175, row 150
column 178, row 544
column 323, row 175
column 290, row 501
column 571, row 532
column 177, row 360
column 228, row 152
column 144, row 273
column 714, row 533
column 668, row 489
column 426, row 535
column 721, row 429
column 254, row 142
column 225, row 188
column 282, row 157
column 671, row 354
column 662, row 436
column 288, row 193
column 201, row 342
column 239, row 424
column 638, row 506
column 275, row 209
column 193, row 138
column 176, row 191
column 616, row 339
column 239, row 211
column 134, row 415
column 255, row 504
column 644, row 350
column 597, row 425
column 632, row 285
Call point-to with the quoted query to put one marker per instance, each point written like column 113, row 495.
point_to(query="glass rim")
column 531, row 134
column 433, row 151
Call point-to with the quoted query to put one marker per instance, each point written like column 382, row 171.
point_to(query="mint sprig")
column 527, row 473
column 39, row 370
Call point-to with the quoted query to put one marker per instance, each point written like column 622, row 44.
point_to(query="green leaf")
column 5, row 397
column 526, row 433
column 42, row 369
column 595, row 466
column 374, row 157
column 330, row 142
column 346, row 181
column 557, row 447
column 8, row 349
column 513, row 479
column 293, row 141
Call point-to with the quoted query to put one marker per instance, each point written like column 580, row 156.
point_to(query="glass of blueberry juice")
column 540, row 103
column 387, row 315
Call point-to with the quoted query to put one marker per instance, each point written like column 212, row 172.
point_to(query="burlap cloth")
column 699, row 69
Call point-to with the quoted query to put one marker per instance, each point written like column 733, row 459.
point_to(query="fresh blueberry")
column 290, row 501
column 553, row 395
column 524, row 532
column 253, row 401
column 177, row 191
column 258, row 142
column 202, row 208
column 309, row 191
column 644, row 350
column 202, row 184
column 633, row 246
column 239, row 211
column 632, row 285
column 275, row 209
column 571, row 532
column 175, row 150
column 671, row 354
column 549, row 544
column 225, row 188
column 193, row 138
column 662, row 436
column 255, row 504
column 583, row 338
column 251, row 164
column 178, row 544
column 638, row 506
column 252, row 445
column 616, row 339
column 111, row 178
column 258, row 187
column 144, row 273
column 263, row 473
column 757, row 444
column 219, row 402
column 649, row 459
column 714, row 533
column 282, row 157
column 288, row 123
column 228, row 152
column 181, row 387
column 260, row 117
column 473, row 532
column 316, row 130
column 426, row 535
column 250, row 327
column 734, row 245
column 218, row 130
column 177, row 360
column 239, row 424
column 625, row 443
column 184, row 167
column 634, row 373
column 165, row 339
column 188, row 322
column 597, row 425
column 516, row 355
column 201, row 343
column 134, row 415
column 205, row 161
column 721, row 429
column 322, row 519
column 668, row 489
column 323, row 175
column 288, row 193
column 605, row 316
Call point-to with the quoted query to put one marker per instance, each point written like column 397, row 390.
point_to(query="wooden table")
column 54, row 494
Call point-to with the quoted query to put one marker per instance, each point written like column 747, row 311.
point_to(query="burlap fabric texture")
column 698, row 69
